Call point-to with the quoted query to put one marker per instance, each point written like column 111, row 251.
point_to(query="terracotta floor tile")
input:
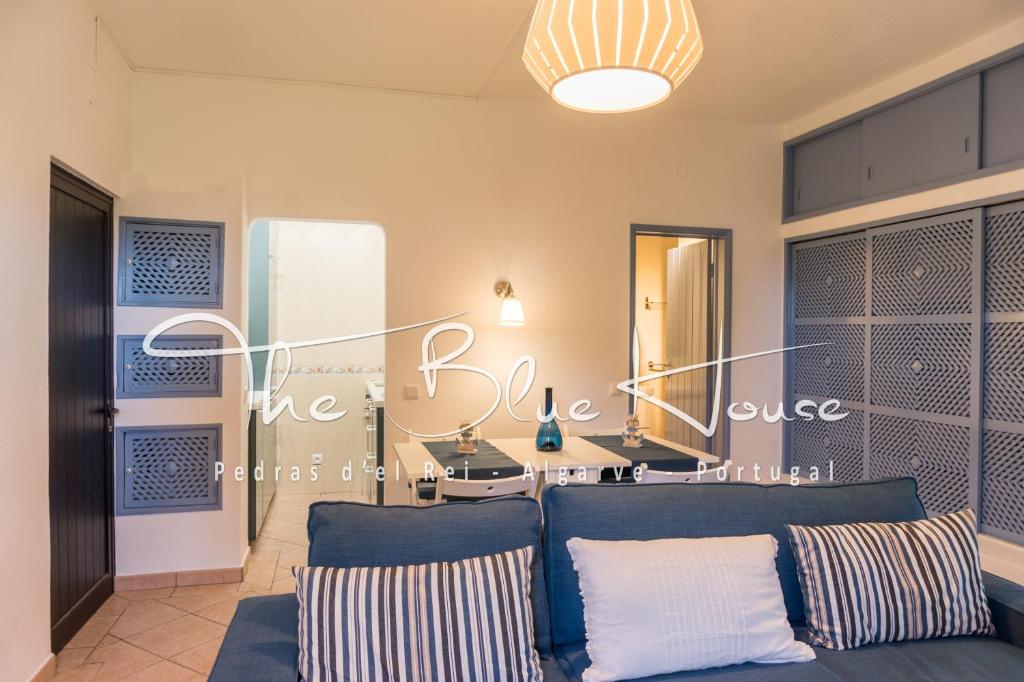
column 216, row 588
column 283, row 586
column 294, row 557
column 178, row 636
column 143, row 595
column 267, row 543
column 296, row 498
column 143, row 615
column 69, row 658
column 92, row 632
column 114, row 606
column 201, row 658
column 342, row 497
column 82, row 673
column 260, row 579
column 285, row 531
column 108, row 639
column 120, row 660
column 222, row 612
column 165, row 671
column 267, row 557
column 195, row 602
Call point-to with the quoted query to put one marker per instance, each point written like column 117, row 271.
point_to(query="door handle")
column 110, row 412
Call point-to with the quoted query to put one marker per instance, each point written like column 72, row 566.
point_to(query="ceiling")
column 764, row 60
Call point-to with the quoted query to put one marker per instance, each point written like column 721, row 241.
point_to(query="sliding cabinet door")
column 924, row 292
column 899, row 311
column 1002, row 490
column 828, row 305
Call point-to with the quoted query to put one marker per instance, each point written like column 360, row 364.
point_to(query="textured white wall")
column 67, row 95
column 155, row 543
column 471, row 192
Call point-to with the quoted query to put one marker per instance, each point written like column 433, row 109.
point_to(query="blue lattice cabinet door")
column 163, row 469
column 171, row 263
column 1002, row 472
column 828, row 311
column 141, row 375
column 925, row 293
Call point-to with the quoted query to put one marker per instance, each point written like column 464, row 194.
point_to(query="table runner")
column 488, row 462
column 655, row 456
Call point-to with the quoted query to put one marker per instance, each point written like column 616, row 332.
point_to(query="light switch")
column 411, row 392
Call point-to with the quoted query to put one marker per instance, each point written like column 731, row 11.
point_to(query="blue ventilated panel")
column 141, row 375
column 1004, row 371
column 937, row 455
column 171, row 263
column 1002, row 506
column 828, row 279
column 832, row 371
column 818, row 443
column 923, row 271
column 922, row 367
column 163, row 469
column 1004, row 259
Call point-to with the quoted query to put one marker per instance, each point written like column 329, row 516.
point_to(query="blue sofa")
column 261, row 642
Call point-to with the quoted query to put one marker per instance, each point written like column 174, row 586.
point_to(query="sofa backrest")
column 348, row 534
column 680, row 510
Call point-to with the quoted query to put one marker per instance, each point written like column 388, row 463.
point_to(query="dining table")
column 504, row 457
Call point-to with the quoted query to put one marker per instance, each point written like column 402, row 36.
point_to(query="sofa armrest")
column 1006, row 599
column 262, row 642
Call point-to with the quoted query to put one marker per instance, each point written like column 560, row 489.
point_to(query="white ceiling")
column 764, row 60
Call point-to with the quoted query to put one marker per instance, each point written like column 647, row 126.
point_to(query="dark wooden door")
column 81, row 404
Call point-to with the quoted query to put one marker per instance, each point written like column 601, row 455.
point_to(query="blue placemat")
column 655, row 456
column 488, row 462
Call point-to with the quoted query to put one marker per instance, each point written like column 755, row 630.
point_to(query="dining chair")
column 483, row 489
column 421, row 492
column 709, row 476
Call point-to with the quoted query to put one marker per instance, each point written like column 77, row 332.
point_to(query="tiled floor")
column 174, row 633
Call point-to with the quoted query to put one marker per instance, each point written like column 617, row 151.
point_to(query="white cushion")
column 662, row 606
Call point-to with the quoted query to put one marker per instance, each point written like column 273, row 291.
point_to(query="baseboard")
column 46, row 671
column 1002, row 558
column 206, row 576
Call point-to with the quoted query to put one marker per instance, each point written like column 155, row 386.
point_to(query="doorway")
column 81, row 403
column 311, row 280
column 679, row 308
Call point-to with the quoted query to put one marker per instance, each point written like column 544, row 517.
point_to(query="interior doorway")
column 81, row 404
column 313, row 280
column 679, row 308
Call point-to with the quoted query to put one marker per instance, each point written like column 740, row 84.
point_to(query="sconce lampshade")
column 611, row 56
column 512, row 312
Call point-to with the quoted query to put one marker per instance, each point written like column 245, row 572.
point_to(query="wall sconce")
column 511, row 307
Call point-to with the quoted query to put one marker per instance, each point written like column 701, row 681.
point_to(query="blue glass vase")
column 549, row 436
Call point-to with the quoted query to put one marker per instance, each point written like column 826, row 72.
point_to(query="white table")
column 576, row 453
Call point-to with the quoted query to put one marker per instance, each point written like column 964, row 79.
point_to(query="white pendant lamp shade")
column 612, row 56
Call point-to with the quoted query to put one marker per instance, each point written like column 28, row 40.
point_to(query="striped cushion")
column 460, row 620
column 887, row 582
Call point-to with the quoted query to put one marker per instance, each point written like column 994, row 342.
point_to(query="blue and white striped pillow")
column 868, row 583
column 459, row 620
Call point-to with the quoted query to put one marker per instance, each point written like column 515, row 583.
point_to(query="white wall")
column 66, row 94
column 157, row 543
column 473, row 192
